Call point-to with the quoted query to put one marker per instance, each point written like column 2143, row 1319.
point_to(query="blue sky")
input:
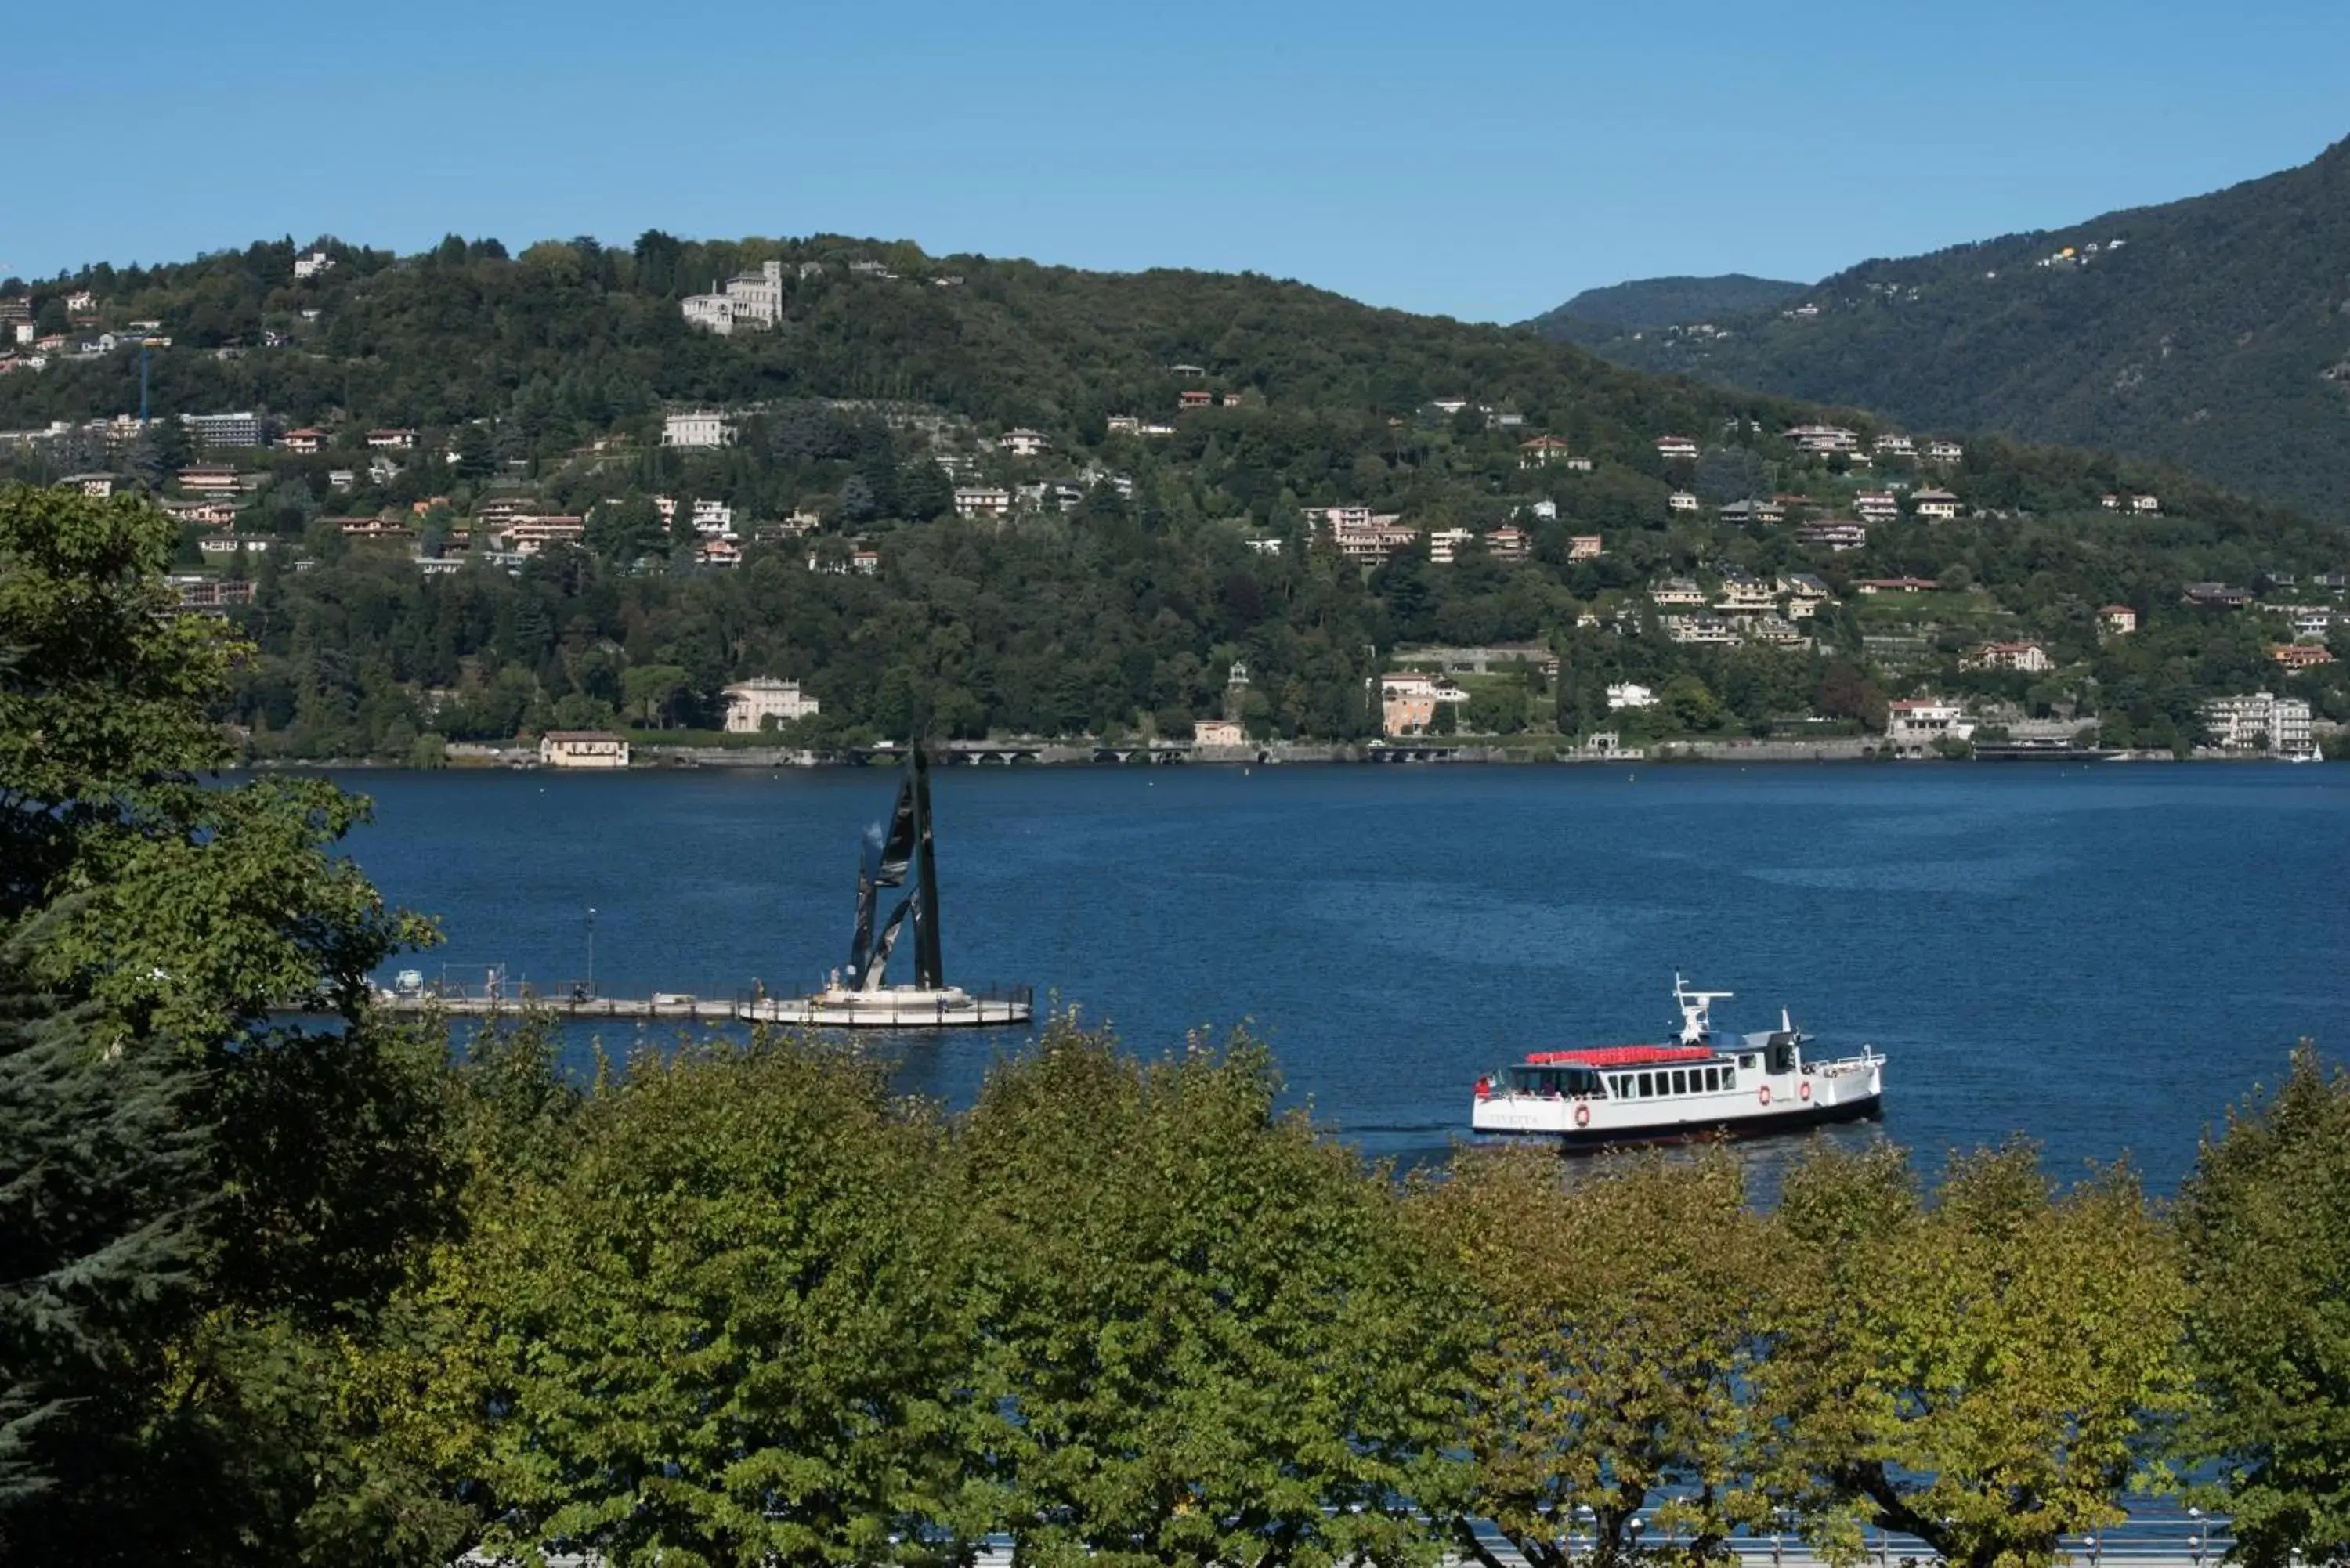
column 1482, row 162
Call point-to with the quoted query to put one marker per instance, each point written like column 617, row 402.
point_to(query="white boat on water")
column 1695, row 1086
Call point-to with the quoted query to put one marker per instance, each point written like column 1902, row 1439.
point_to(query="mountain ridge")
column 2216, row 335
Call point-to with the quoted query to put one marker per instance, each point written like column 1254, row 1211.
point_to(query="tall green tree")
column 1609, row 1328
column 1200, row 1322
column 2265, row 1224
column 724, row 1328
column 1986, row 1372
column 196, row 1174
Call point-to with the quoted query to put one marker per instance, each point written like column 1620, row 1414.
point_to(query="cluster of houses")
column 1833, row 441
column 1368, row 537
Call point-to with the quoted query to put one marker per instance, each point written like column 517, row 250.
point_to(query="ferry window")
column 1712, row 1080
column 1680, row 1082
column 1644, row 1090
column 1747, row 1061
column 1729, row 1078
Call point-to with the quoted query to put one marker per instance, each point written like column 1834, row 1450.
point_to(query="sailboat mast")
column 928, row 969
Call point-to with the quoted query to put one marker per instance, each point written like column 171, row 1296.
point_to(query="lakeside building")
column 1914, row 726
column 1408, row 700
column 751, row 704
column 1629, row 694
column 583, row 749
column 1218, row 732
column 2260, row 724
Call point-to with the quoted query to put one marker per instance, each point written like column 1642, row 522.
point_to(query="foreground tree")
column 2265, row 1223
column 1610, row 1322
column 723, row 1327
column 1985, row 1373
column 1201, row 1320
column 188, row 1176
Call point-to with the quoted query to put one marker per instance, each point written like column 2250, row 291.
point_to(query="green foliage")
column 1985, row 1374
column 2266, row 1222
column 201, row 1197
column 1608, row 1330
column 1645, row 304
column 1199, row 1318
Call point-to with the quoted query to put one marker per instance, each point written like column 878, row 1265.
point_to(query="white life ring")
column 1583, row 1116
column 1803, row 1091
column 1764, row 1093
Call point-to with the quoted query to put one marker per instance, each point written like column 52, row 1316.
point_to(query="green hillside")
column 1644, row 304
column 2216, row 335
column 965, row 497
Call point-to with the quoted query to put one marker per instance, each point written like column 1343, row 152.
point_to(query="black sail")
column 860, row 948
column 898, row 849
column 928, row 969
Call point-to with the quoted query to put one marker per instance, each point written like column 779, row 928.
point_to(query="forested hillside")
column 958, row 496
column 2212, row 332
column 1597, row 313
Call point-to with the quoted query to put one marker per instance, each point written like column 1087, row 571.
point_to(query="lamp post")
column 2195, row 1535
column 592, row 950
column 2097, row 1551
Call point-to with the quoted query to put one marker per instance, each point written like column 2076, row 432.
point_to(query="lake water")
column 2101, row 958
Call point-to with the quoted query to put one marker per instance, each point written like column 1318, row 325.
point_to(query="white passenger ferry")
column 1695, row 1087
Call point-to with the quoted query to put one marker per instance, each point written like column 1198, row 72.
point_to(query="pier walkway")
column 941, row 1010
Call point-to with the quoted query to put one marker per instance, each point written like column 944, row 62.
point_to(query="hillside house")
column 1024, row 442
column 1833, row 533
column 1195, row 398
column 1895, row 446
column 1629, row 694
column 701, row 428
column 2028, row 657
column 391, row 440
column 1894, row 585
column 749, row 301
column 2117, row 620
column 304, row 442
column 2217, row 596
column 1445, row 544
column 1877, row 506
column 1676, row 593
column 1702, row 629
column 309, row 266
column 1677, row 448
column 987, row 501
column 1945, row 451
column 1506, row 544
column 1681, row 501
column 1746, row 596
column 1934, row 506
column 1541, row 452
column 2145, row 505
column 1823, row 440
column 1584, row 547
column 2301, row 655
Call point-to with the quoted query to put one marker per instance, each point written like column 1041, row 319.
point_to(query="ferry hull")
column 1591, row 1140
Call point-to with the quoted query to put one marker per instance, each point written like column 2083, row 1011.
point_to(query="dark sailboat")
column 861, row 996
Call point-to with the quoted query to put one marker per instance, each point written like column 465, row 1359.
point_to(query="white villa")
column 751, row 704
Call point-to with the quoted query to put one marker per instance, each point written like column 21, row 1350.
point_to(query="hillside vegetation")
column 1135, row 548
column 1597, row 313
column 2212, row 332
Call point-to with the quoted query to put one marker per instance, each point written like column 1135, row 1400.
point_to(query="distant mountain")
column 2213, row 332
column 1643, row 304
